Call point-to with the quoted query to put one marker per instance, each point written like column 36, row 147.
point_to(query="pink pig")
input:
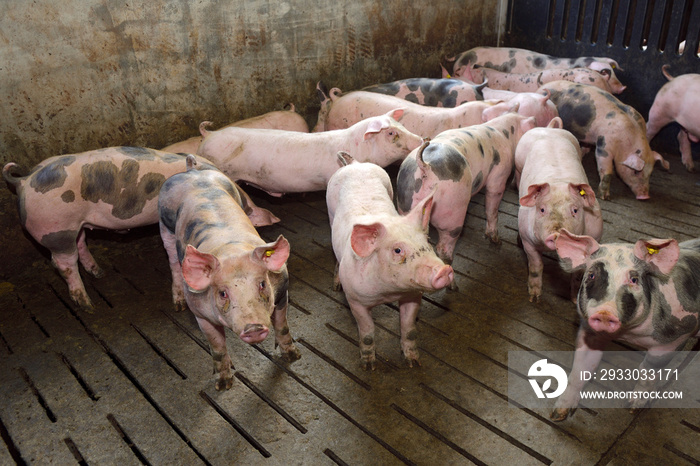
column 678, row 100
column 459, row 163
column 528, row 104
column 554, row 194
column 348, row 109
column 382, row 256
column 287, row 120
column 287, row 161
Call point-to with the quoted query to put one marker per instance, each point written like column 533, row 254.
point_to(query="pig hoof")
column 82, row 300
column 224, row 383
column 493, row 238
column 412, row 361
column 369, row 365
column 560, row 414
column 292, row 354
column 97, row 272
column 180, row 306
column 453, row 286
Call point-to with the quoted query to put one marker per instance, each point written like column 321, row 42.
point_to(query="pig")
column 382, row 256
column 678, row 100
column 646, row 294
column 288, row 120
column 115, row 188
column 221, row 268
column 514, row 60
column 431, row 92
column 287, row 161
column 617, row 131
column 529, row 104
column 554, row 194
column 350, row 108
column 457, row 164
column 530, row 82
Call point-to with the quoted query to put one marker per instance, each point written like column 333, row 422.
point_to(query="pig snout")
column 442, row 277
column 604, row 321
column 254, row 333
column 643, row 196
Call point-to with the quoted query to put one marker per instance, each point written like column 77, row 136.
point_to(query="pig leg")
column 283, row 338
column 408, row 311
column 604, row 160
column 222, row 361
column 67, row 265
column 178, row 291
column 535, row 268
column 449, row 224
column 365, row 328
column 653, row 361
column 585, row 359
column 493, row 197
column 86, row 258
column 686, row 150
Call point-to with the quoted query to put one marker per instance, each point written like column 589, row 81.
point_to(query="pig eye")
column 591, row 276
column 634, row 280
column 262, row 285
column 542, row 209
column 397, row 251
column 223, row 294
column 575, row 210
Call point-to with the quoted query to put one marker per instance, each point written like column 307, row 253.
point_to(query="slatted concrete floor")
column 131, row 382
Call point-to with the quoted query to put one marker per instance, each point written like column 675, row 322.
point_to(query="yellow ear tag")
column 448, row 76
column 652, row 250
column 582, row 192
column 269, row 252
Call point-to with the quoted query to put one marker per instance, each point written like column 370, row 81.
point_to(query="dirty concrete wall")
column 77, row 75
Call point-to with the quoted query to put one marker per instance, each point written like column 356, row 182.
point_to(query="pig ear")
column 421, row 212
column 344, row 158
column 514, row 108
column 662, row 253
column 375, row 126
column 635, row 162
column 555, row 123
column 198, row 268
column 533, row 191
column 574, row 250
column 272, row 255
column 661, row 160
column 396, row 114
column 364, row 238
column 584, row 191
column 528, row 123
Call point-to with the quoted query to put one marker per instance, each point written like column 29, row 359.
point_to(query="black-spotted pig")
column 530, row 82
column 382, row 256
column 554, row 195
column 280, row 162
column 458, row 163
column 678, row 100
column 514, row 60
column 221, row 268
column 616, row 130
column 114, row 189
column 646, row 294
column 430, row 91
